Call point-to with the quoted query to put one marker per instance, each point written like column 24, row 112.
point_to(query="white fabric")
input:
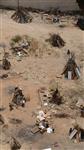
column 49, row 130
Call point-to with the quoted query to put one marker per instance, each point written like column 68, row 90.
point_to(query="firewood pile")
column 56, row 41
column 22, row 16
column 20, row 45
column 76, row 133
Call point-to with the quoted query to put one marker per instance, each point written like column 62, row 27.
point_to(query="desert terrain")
column 39, row 70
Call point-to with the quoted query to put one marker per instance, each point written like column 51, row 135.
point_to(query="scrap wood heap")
column 50, row 96
column 20, row 45
column 42, row 124
column 56, row 41
column 76, row 132
column 71, row 70
column 21, row 16
column 18, row 99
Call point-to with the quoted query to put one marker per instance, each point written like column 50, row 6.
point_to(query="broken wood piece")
column 56, row 41
column 35, row 130
column 73, row 133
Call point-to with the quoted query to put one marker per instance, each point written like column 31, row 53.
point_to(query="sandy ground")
column 34, row 72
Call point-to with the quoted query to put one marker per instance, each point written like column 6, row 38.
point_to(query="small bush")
column 16, row 39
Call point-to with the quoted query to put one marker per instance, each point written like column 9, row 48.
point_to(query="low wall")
column 42, row 4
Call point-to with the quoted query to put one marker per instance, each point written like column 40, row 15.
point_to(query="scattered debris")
column 56, row 19
column 42, row 124
column 71, row 70
column 21, row 15
column 56, row 41
column 24, row 46
column 50, row 130
column 43, row 96
column 20, row 45
column 18, row 99
column 48, row 18
column 41, row 115
column 14, row 144
column 51, row 96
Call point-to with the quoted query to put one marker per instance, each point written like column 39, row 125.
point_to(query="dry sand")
column 38, row 72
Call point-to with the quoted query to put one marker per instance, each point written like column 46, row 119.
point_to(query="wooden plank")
column 73, row 133
column 35, row 130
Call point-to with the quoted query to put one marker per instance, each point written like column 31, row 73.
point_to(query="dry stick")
column 40, row 97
